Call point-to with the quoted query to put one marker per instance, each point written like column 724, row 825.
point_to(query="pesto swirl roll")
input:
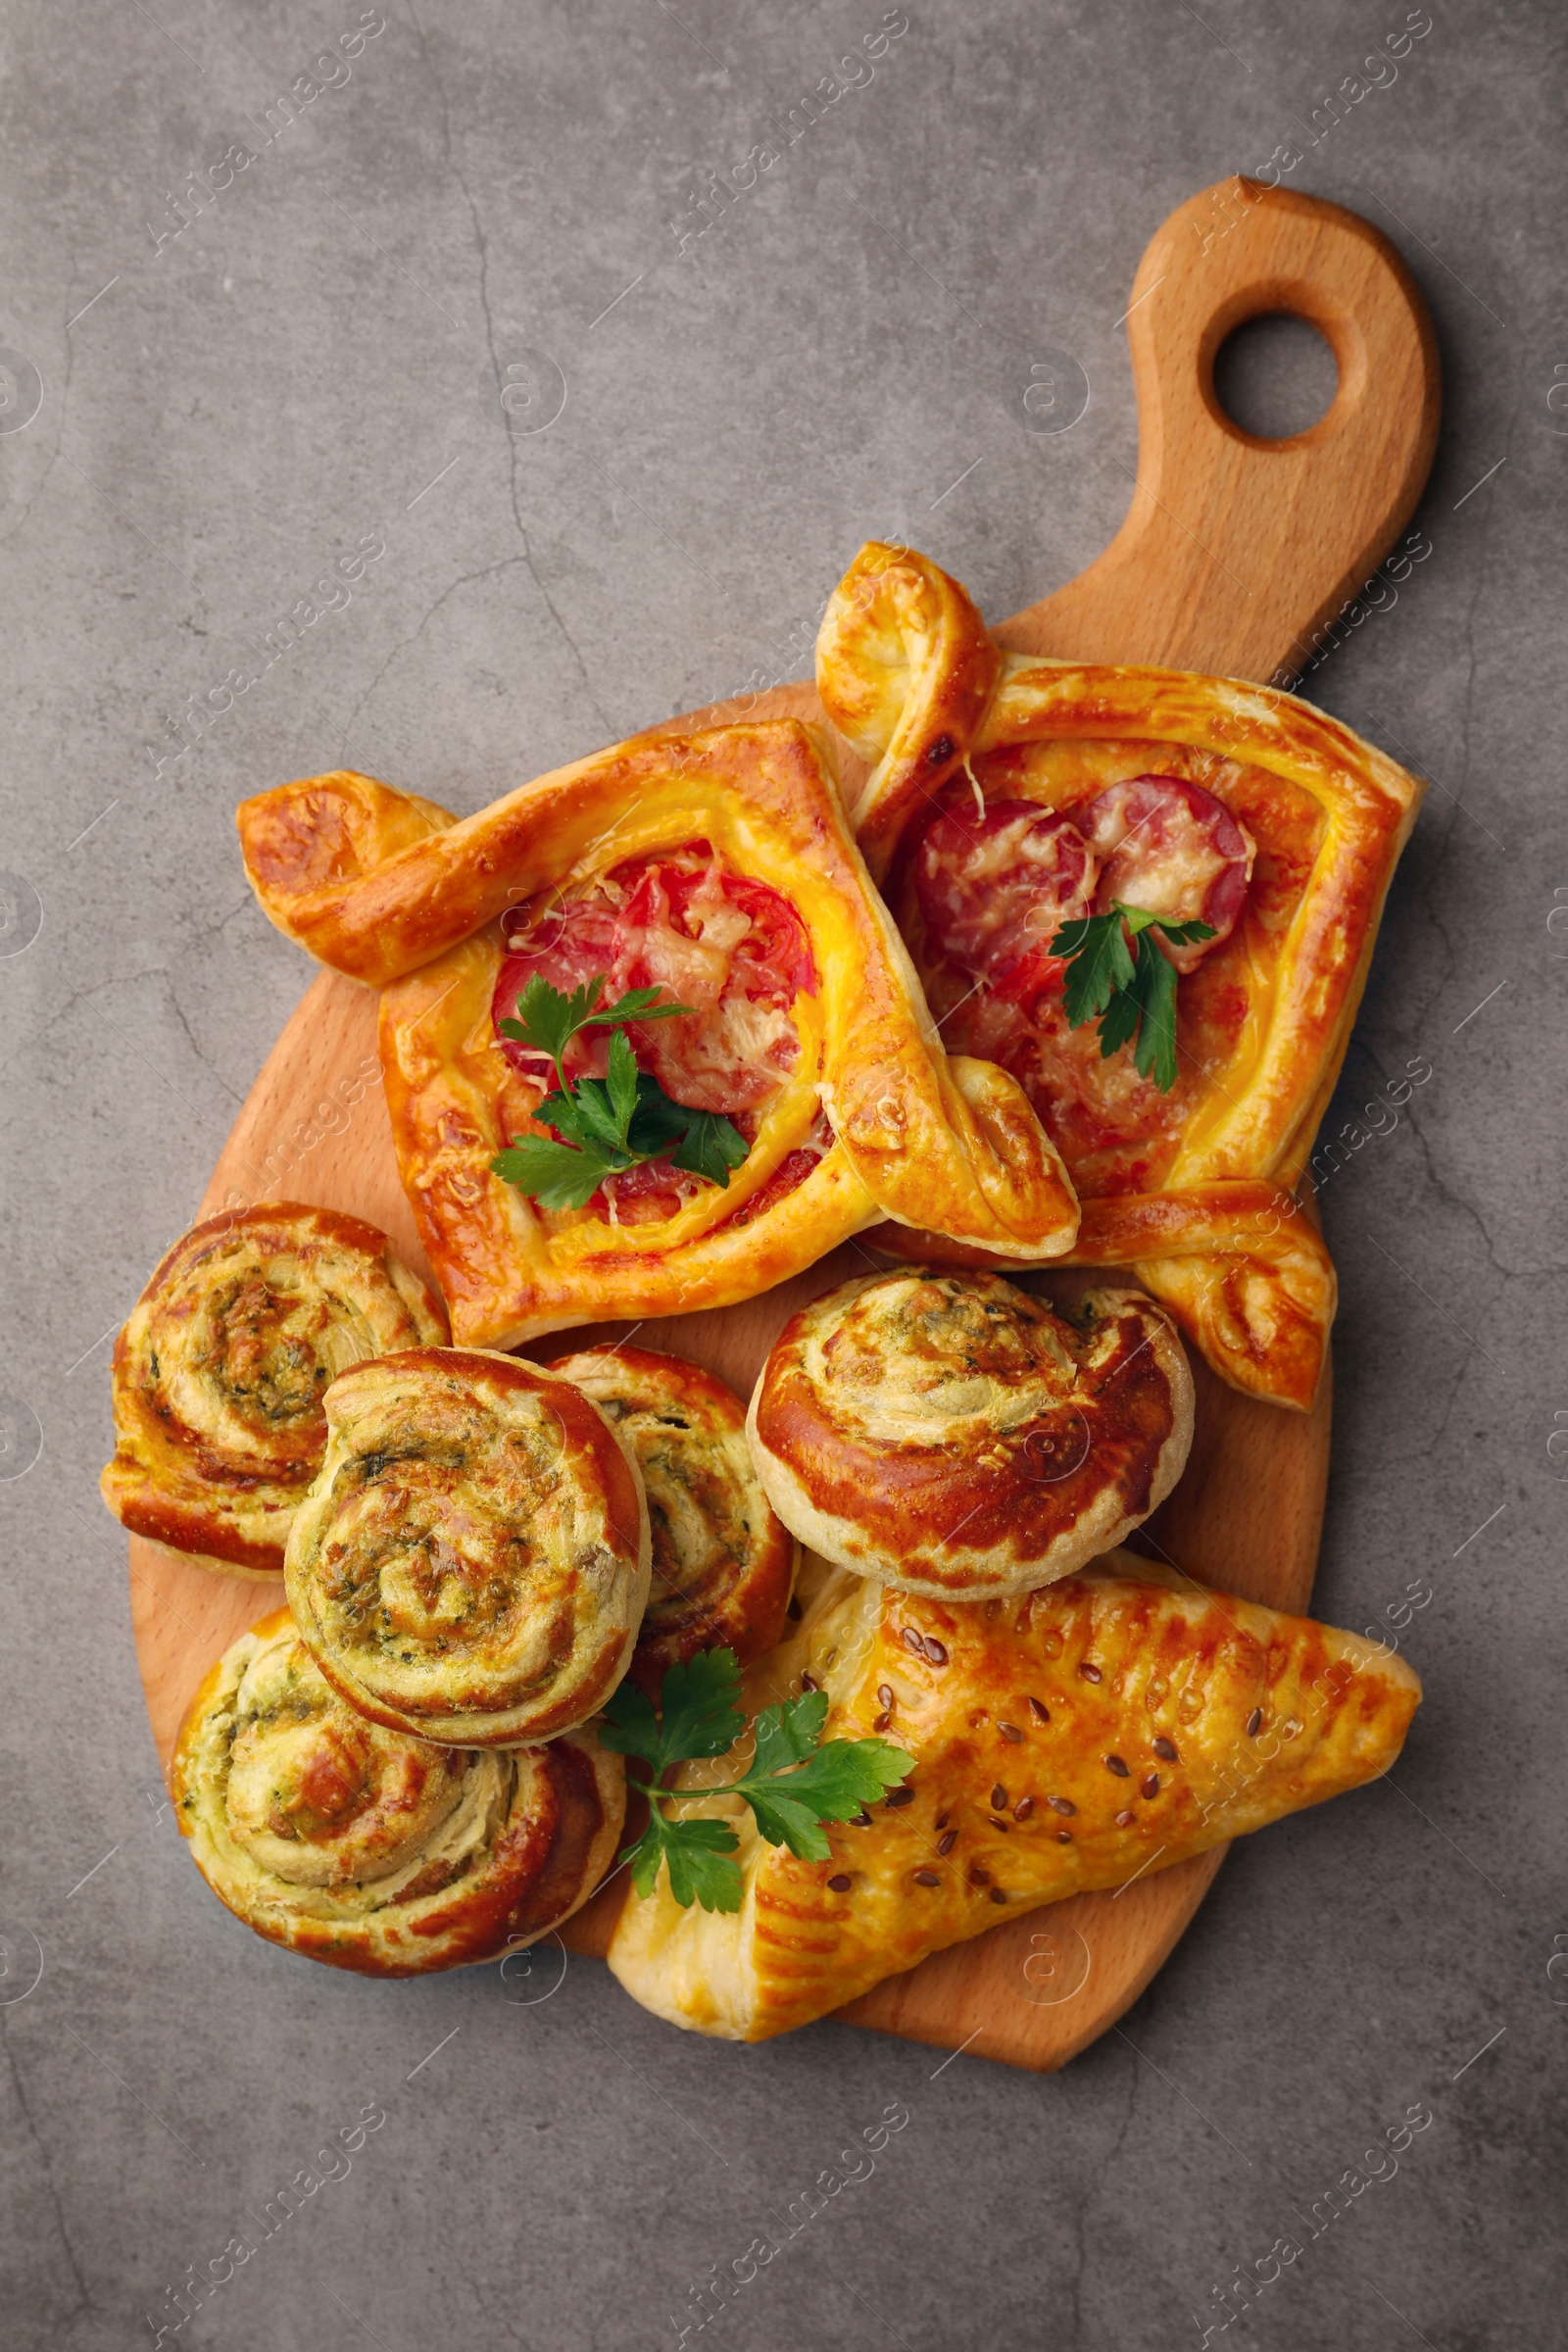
column 366, row 1849
column 471, row 1563
column 722, row 1559
column 220, row 1374
column 950, row 1434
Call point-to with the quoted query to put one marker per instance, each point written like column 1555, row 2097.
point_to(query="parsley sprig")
column 796, row 1781
column 1132, row 991
column 603, row 1125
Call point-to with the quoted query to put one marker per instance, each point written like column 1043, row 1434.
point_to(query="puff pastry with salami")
column 1009, row 794
column 218, row 1375
column 369, row 1850
column 716, row 867
column 1115, row 1723
column 951, row 1435
column 471, row 1563
column 722, row 1561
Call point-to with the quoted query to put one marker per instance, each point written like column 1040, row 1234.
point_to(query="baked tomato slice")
column 731, row 948
column 1170, row 847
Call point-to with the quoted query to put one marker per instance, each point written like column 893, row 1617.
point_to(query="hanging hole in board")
column 1275, row 375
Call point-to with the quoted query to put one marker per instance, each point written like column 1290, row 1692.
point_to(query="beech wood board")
column 1233, row 552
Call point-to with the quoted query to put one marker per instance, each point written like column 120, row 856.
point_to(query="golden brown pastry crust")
column 929, row 1141
column 471, row 1564
column 219, row 1372
column 1117, row 1722
column 950, row 1436
column 1238, row 1267
column 1250, row 1112
column 306, row 842
column 369, row 1850
column 723, row 1562
column 912, row 672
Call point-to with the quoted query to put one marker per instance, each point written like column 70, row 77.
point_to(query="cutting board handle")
column 1235, row 550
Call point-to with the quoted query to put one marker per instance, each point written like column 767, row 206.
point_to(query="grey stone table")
column 270, row 276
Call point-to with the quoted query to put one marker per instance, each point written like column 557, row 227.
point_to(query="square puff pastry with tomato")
column 1009, row 794
column 718, row 866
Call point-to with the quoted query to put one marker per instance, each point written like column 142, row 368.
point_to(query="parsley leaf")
column 1132, row 992
column 697, row 1705
column 831, row 1785
column 788, row 1732
column 796, row 1781
column 697, row 1853
column 1153, row 988
column 551, row 1173
column 605, row 1125
column 710, row 1148
column 630, row 1726
column 697, row 1713
column 656, row 1122
column 550, row 1019
column 1097, row 965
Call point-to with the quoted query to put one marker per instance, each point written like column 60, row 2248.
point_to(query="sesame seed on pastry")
column 947, row 1434
column 1071, row 1740
column 471, row 1564
column 220, row 1373
column 722, row 1561
column 369, row 1850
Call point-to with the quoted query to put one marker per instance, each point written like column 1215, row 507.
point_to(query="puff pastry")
column 722, row 1562
column 471, row 1564
column 718, row 866
column 1114, row 1723
column 993, row 812
column 950, row 1436
column 372, row 1851
column 220, row 1373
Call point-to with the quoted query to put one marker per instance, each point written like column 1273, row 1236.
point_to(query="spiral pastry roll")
column 471, row 1564
column 722, row 1561
column 218, row 1376
column 369, row 1850
column 951, row 1436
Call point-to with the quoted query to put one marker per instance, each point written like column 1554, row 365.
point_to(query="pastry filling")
column 681, row 921
column 941, row 1359
column 243, row 1356
column 319, row 1797
column 993, row 889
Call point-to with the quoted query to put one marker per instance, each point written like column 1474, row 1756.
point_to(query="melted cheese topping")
column 730, row 949
column 1165, row 841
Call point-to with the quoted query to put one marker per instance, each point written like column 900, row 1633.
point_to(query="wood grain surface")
column 1234, row 550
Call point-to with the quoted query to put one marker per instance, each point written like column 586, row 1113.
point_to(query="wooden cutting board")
column 1233, row 552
